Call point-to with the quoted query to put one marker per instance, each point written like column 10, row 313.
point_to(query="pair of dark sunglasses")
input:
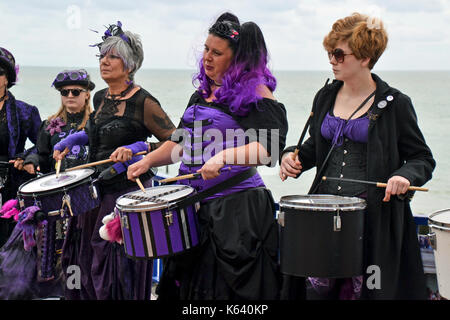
column 75, row 92
column 2, row 72
column 338, row 54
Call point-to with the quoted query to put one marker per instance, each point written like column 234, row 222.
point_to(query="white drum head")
column 154, row 198
column 50, row 182
column 440, row 218
column 322, row 202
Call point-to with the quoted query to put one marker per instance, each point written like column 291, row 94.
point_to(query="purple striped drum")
column 152, row 224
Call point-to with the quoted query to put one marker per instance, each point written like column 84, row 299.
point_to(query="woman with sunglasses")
column 370, row 132
column 125, row 116
column 19, row 121
column 237, row 255
column 74, row 87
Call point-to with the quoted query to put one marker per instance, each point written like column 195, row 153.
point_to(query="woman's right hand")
column 58, row 155
column 138, row 168
column 290, row 167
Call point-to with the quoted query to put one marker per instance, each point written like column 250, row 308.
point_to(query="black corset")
column 347, row 161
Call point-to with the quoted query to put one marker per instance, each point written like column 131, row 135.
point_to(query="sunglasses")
column 2, row 72
column 75, row 92
column 338, row 54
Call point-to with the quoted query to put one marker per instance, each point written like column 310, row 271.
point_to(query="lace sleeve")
column 156, row 120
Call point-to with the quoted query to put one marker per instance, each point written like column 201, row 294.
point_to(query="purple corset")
column 334, row 128
column 210, row 131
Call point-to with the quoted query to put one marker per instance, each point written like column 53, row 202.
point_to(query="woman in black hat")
column 18, row 268
column 75, row 87
column 18, row 121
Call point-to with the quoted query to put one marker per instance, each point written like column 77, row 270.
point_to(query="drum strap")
column 235, row 180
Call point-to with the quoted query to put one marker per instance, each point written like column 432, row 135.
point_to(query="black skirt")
column 237, row 258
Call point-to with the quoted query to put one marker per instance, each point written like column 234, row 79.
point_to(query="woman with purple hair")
column 125, row 116
column 237, row 254
column 19, row 121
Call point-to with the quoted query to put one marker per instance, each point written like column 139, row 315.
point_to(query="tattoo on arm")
column 163, row 122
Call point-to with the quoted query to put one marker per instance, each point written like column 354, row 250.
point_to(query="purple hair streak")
column 247, row 72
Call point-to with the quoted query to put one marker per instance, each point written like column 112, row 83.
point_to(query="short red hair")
column 366, row 36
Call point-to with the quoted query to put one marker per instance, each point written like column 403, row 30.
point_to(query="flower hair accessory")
column 225, row 29
column 111, row 31
column 373, row 23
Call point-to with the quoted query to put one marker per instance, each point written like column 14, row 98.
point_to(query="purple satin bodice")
column 207, row 129
column 334, row 128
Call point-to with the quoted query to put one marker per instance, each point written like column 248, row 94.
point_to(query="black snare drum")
column 321, row 235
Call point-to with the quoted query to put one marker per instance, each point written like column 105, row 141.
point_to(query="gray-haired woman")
column 124, row 116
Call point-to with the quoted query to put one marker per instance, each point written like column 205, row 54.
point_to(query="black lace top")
column 113, row 125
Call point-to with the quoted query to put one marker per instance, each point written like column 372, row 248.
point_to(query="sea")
column 429, row 91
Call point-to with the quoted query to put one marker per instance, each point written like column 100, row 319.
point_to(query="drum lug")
column 66, row 202
column 432, row 238
column 169, row 218
column 281, row 218
column 337, row 222
column 21, row 204
column 124, row 221
column 93, row 191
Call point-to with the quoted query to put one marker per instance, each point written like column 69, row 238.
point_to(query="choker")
column 122, row 94
column 217, row 85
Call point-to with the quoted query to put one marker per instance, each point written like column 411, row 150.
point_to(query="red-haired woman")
column 372, row 132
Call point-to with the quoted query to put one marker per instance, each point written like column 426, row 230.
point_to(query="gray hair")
column 132, row 56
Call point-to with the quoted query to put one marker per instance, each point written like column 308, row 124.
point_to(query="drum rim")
column 53, row 191
column 359, row 205
column 436, row 224
column 149, row 207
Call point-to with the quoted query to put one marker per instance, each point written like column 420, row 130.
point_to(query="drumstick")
column 378, row 184
column 302, row 136
column 188, row 176
column 58, row 168
column 140, row 185
column 96, row 163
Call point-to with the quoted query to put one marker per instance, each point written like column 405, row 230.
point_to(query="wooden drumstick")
column 188, row 176
column 58, row 168
column 97, row 163
column 377, row 184
column 139, row 183
column 302, row 136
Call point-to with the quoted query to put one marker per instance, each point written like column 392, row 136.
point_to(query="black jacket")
column 395, row 146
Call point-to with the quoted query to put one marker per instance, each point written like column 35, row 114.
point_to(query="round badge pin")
column 389, row 98
column 382, row 104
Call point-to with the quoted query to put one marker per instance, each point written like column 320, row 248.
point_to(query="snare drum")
column 439, row 222
column 153, row 226
column 71, row 194
column 321, row 235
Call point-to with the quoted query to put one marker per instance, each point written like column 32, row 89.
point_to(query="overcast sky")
column 56, row 33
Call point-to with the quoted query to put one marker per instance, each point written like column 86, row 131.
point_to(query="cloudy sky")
column 56, row 33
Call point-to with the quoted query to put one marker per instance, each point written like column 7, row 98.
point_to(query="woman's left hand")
column 396, row 185
column 121, row 154
column 211, row 168
column 18, row 163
